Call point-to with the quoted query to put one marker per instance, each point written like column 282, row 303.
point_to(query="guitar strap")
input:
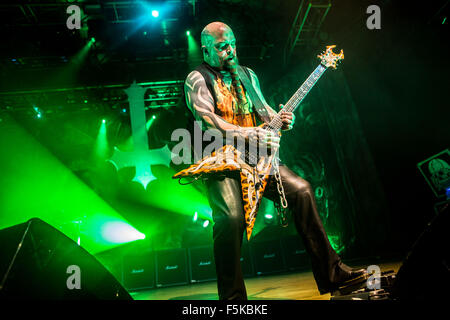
column 254, row 97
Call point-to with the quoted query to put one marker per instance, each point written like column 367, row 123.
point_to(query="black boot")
column 343, row 274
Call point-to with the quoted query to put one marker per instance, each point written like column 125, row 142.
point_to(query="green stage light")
column 155, row 13
column 101, row 144
column 38, row 112
column 206, row 223
column 194, row 52
column 93, row 40
column 120, row 232
column 150, row 122
column 39, row 185
column 268, row 216
column 195, row 218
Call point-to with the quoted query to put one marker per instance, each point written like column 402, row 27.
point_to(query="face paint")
column 220, row 44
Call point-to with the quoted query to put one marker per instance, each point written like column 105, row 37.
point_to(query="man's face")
column 220, row 47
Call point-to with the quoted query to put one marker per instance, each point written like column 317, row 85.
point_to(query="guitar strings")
column 276, row 123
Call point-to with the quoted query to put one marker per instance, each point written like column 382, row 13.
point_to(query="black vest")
column 210, row 75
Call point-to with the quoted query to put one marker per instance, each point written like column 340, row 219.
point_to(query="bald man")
column 218, row 99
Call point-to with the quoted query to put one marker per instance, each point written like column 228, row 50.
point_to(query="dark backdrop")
column 398, row 80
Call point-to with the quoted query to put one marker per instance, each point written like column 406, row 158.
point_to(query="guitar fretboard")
column 276, row 124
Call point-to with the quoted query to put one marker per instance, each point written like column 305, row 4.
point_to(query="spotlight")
column 153, row 117
column 195, row 217
column 268, row 216
column 206, row 223
column 268, row 219
column 119, row 232
column 155, row 13
column 103, row 120
column 93, row 40
column 38, row 112
column 188, row 33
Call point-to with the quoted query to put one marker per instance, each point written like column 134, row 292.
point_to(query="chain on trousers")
column 225, row 198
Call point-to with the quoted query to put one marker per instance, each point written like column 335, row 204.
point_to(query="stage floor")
column 289, row 286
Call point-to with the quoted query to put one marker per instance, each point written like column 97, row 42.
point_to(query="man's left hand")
column 287, row 118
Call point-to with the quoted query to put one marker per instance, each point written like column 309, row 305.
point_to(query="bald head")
column 214, row 30
column 218, row 45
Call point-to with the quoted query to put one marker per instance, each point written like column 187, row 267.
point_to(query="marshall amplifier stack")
column 268, row 257
column 147, row 269
column 201, row 262
column 139, row 271
column 171, row 267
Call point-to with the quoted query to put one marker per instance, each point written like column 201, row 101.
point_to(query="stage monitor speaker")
column 201, row 262
column 39, row 262
column 425, row 273
column 294, row 253
column 139, row 270
column 171, row 267
column 268, row 257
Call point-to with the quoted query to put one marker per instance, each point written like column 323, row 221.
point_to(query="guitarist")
column 216, row 97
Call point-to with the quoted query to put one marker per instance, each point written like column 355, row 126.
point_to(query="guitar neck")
column 298, row 96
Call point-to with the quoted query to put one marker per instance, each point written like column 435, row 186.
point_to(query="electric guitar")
column 255, row 169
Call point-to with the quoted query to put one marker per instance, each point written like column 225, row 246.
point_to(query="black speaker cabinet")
column 268, row 257
column 171, row 267
column 294, row 253
column 139, row 270
column 39, row 262
column 201, row 262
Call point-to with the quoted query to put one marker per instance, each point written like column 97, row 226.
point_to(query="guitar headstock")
column 329, row 58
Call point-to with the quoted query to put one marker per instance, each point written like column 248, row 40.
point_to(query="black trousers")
column 225, row 198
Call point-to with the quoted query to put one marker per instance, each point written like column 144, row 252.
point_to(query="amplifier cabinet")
column 268, row 257
column 247, row 264
column 171, row 267
column 294, row 253
column 139, row 271
column 201, row 262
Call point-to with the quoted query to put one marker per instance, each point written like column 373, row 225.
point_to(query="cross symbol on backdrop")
column 141, row 157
